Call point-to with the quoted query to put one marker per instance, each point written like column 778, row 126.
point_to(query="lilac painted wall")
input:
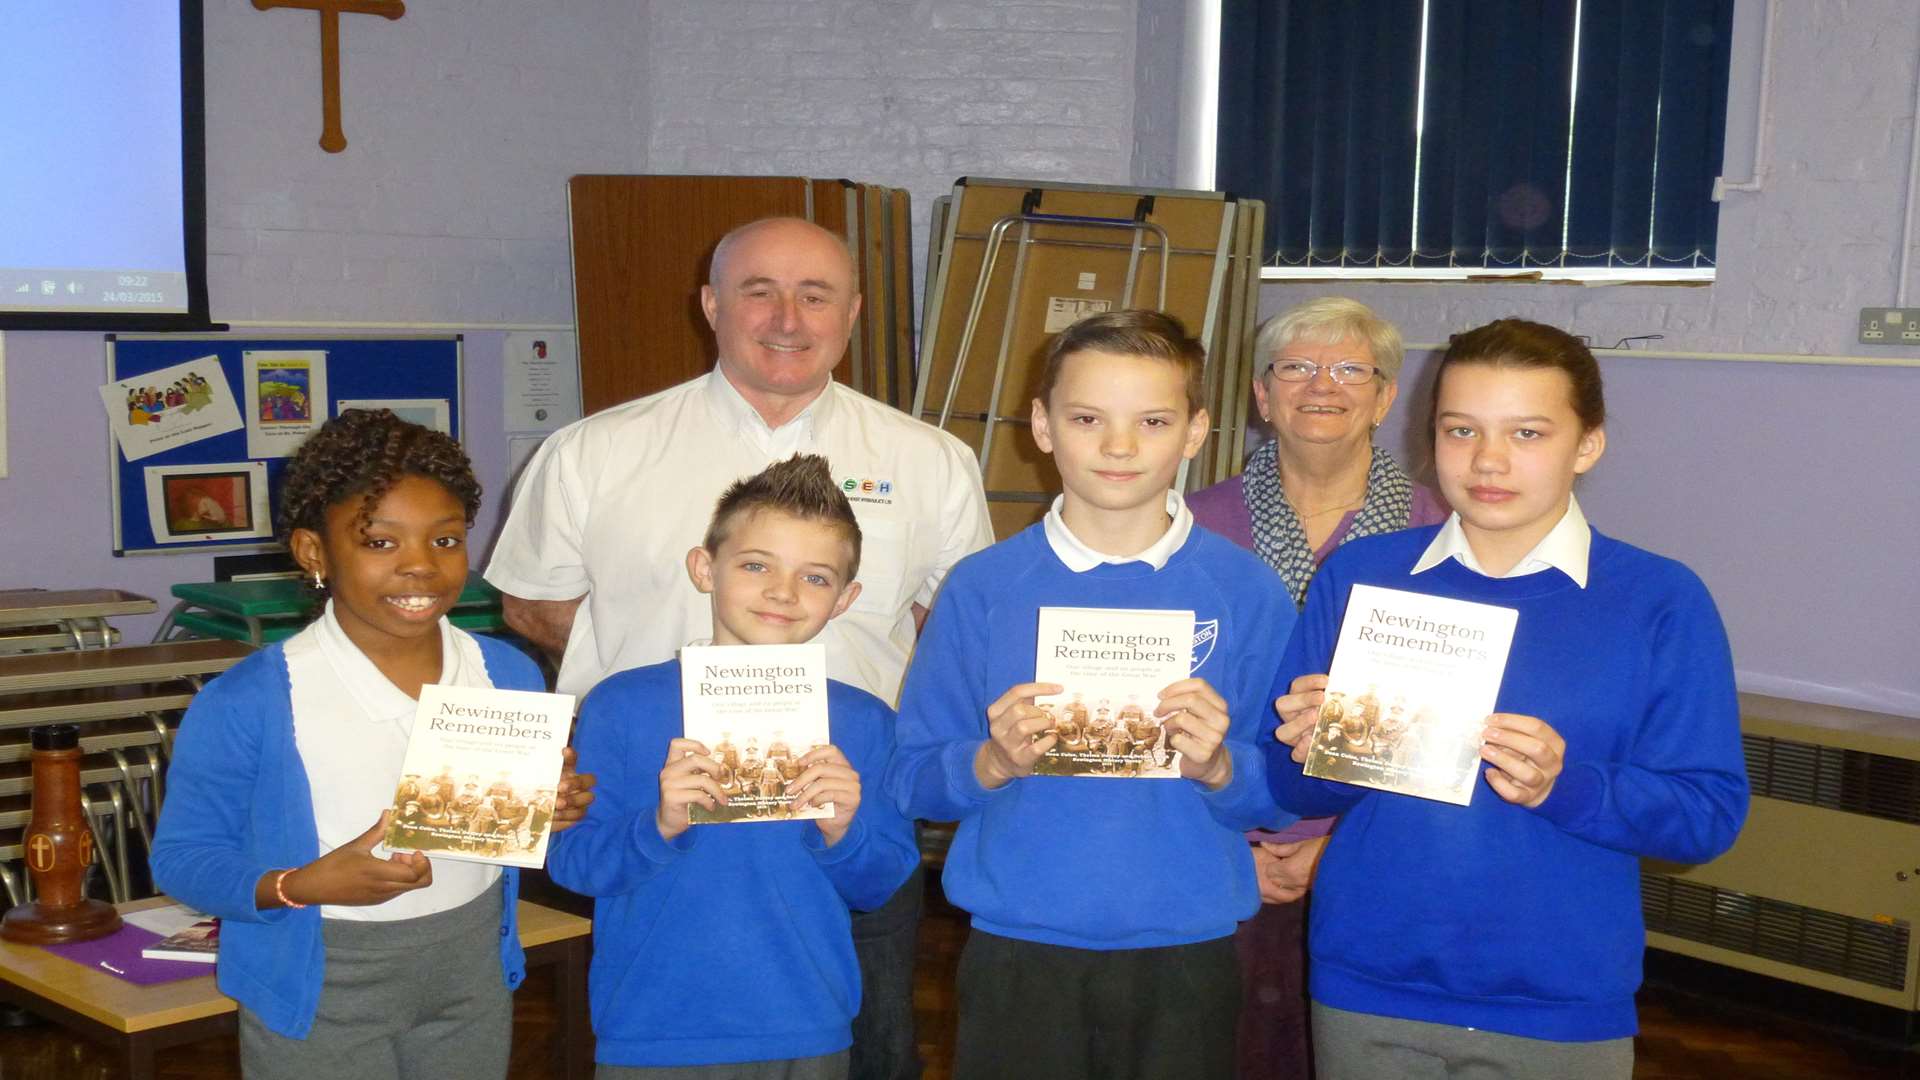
column 1788, row 488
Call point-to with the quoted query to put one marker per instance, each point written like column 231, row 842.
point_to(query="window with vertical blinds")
column 1477, row 134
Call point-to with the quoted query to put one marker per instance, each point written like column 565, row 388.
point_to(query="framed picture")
column 226, row 501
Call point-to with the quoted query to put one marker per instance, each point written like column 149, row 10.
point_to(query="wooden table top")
column 76, row 668
column 128, row 1008
column 28, row 606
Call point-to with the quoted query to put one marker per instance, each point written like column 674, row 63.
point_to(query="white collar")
column 1564, row 548
column 730, row 406
column 379, row 700
column 1080, row 558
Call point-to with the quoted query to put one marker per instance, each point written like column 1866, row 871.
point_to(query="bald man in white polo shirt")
column 592, row 559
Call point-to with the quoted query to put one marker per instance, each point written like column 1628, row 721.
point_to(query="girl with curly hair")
column 284, row 773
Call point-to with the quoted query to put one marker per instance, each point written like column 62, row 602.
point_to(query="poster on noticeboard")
column 286, row 399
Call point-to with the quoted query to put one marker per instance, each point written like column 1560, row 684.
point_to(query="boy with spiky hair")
column 1130, row 961
column 782, row 988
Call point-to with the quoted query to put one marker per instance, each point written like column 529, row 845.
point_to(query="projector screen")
column 102, row 194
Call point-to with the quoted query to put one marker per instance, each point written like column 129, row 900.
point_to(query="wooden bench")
column 126, row 703
column 138, row 1021
column 76, row 613
column 92, row 704
column 48, row 638
column 193, row 660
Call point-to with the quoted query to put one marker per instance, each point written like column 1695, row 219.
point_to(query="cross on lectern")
column 332, row 138
column 40, row 852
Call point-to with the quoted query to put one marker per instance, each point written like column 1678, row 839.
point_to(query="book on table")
column 480, row 776
column 758, row 709
column 185, row 934
column 1113, row 664
column 1413, row 680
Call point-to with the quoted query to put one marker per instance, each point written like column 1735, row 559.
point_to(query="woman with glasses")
column 1327, row 375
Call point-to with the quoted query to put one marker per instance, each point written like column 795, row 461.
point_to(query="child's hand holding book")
column 1527, row 756
column 1017, row 735
column 350, row 875
column 1299, row 712
column 828, row 778
column 1197, row 723
column 689, row 776
column 573, row 794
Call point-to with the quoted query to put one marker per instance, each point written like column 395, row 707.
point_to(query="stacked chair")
column 1013, row 262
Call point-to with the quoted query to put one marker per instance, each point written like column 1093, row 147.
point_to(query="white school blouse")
column 350, row 724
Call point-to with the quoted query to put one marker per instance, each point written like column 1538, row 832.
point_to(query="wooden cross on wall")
column 332, row 138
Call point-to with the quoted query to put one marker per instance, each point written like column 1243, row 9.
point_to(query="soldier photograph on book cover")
column 498, row 816
column 757, row 780
column 1094, row 737
column 1383, row 740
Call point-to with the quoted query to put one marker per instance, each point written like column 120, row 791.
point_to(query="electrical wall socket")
column 1889, row 326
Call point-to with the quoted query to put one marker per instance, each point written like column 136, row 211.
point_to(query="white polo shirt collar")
column 796, row 436
column 1080, row 558
column 355, row 677
column 1565, row 548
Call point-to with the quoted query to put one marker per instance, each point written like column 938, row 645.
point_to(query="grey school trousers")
column 412, row 999
column 1360, row 1046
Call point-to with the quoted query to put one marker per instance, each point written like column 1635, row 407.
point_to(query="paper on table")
column 165, row 921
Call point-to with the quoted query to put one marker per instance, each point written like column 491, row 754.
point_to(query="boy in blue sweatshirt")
column 1103, row 909
column 717, row 947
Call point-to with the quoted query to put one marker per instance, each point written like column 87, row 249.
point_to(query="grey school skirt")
column 412, row 999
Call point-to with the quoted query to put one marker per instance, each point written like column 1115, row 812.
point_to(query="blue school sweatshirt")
column 238, row 805
column 1089, row 862
column 732, row 942
column 1498, row 917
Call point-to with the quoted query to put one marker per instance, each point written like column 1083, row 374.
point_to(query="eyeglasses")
column 1347, row 373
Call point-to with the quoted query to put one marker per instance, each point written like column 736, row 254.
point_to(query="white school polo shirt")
column 351, row 725
column 610, row 506
column 1080, row 558
column 1565, row 548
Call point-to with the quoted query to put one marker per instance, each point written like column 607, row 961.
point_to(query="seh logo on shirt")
column 862, row 489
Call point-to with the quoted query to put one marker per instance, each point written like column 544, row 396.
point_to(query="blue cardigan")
column 238, row 806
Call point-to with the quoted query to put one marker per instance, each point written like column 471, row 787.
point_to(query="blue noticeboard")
column 190, row 491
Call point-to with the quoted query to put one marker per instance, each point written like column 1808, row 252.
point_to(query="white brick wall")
column 463, row 121
column 909, row 93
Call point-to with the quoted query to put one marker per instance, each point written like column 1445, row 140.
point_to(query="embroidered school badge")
column 1205, row 635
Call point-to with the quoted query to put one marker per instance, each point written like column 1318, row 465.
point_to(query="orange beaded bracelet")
column 280, row 891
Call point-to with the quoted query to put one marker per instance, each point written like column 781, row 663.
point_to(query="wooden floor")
column 1688, row 1032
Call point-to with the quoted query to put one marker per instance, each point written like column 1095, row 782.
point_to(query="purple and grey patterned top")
column 1222, row 508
